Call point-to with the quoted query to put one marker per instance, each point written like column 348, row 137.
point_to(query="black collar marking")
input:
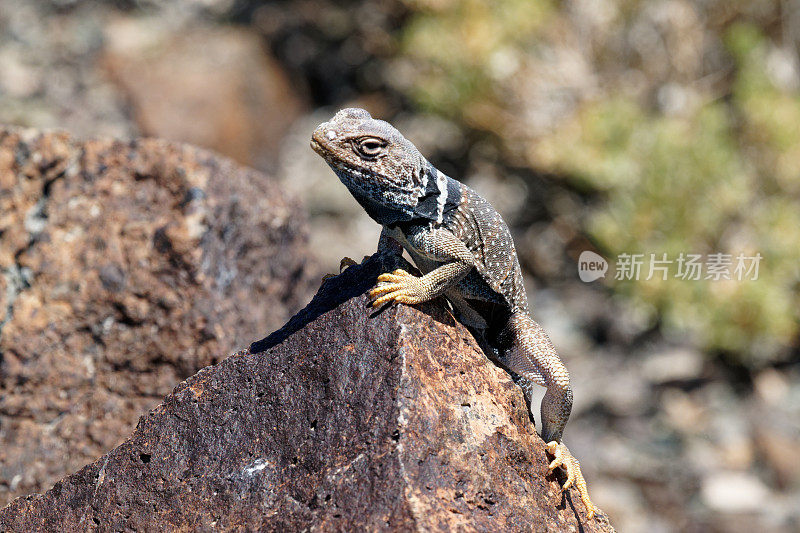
column 428, row 205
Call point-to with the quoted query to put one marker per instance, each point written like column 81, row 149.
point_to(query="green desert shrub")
column 459, row 48
column 673, row 185
column 721, row 177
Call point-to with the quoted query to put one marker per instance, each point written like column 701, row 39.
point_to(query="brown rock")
column 125, row 267
column 350, row 420
column 3, row 301
column 213, row 87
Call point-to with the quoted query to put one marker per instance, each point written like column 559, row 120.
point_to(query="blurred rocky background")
column 661, row 127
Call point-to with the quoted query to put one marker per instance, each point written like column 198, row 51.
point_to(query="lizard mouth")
column 319, row 143
column 323, row 151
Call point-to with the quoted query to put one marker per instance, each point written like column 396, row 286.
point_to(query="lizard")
column 465, row 252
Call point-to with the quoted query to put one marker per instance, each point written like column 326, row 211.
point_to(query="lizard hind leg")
column 344, row 264
column 530, row 354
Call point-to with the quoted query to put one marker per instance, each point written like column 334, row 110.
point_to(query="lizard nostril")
column 330, row 134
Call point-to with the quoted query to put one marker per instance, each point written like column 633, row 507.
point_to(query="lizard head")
column 382, row 169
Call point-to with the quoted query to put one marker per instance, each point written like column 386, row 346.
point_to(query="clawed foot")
column 398, row 287
column 564, row 459
column 345, row 263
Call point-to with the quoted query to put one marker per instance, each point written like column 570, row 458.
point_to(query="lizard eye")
column 369, row 147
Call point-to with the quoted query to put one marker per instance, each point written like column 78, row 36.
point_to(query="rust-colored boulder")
column 349, row 420
column 211, row 86
column 125, row 267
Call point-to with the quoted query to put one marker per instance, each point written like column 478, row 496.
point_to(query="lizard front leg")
column 530, row 354
column 438, row 245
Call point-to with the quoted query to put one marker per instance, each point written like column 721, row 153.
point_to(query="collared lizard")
column 465, row 252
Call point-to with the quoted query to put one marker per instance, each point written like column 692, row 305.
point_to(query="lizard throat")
column 384, row 202
column 432, row 198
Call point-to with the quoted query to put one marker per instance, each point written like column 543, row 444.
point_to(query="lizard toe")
column 381, row 289
column 398, row 276
column 345, row 263
column 565, row 459
column 398, row 287
column 395, row 296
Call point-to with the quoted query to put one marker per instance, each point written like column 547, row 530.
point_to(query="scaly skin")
column 465, row 252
